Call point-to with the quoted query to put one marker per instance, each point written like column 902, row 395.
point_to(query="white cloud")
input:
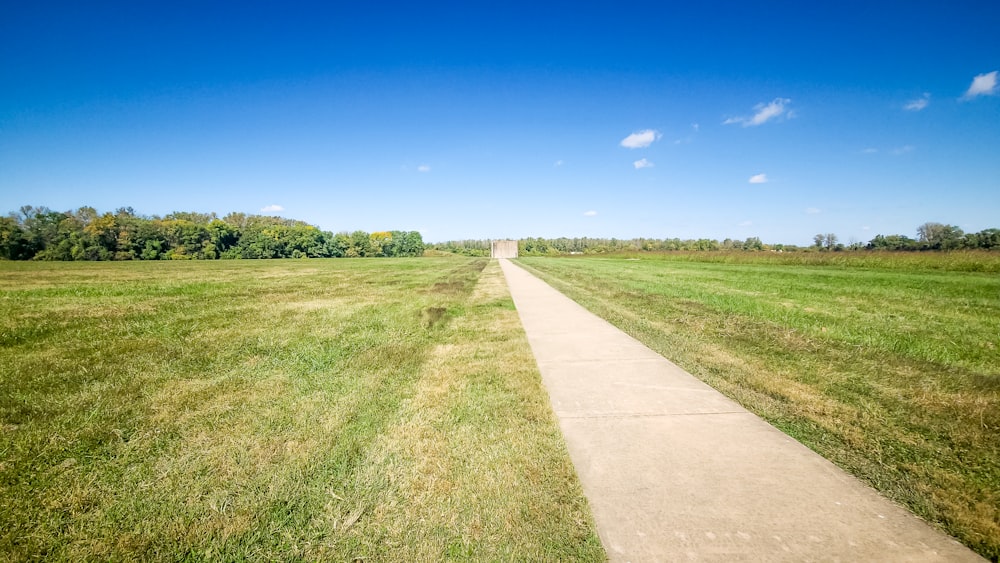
column 919, row 103
column 812, row 210
column 764, row 113
column 870, row 150
column 423, row 168
column 558, row 163
column 982, row 85
column 866, row 228
column 758, row 179
column 746, row 224
column 642, row 163
column 641, row 139
column 590, row 213
column 271, row 208
column 696, row 127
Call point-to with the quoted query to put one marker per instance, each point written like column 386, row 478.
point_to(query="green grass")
column 275, row 410
column 887, row 365
column 956, row 261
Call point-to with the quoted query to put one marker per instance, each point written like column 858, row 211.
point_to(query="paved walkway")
column 675, row 471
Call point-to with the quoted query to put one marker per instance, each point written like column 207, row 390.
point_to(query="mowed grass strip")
column 891, row 372
column 475, row 466
column 275, row 410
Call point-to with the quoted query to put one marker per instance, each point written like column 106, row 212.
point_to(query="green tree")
column 72, row 243
column 380, row 243
column 403, row 243
column 192, row 217
column 753, row 243
column 339, row 245
column 41, row 226
column 360, row 245
column 305, row 241
column 986, row 239
column 891, row 242
column 104, row 231
column 238, row 220
column 937, row 236
column 409, row 243
column 153, row 249
column 13, row 242
column 223, row 236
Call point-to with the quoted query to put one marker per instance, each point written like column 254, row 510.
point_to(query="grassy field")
column 275, row 410
column 887, row 365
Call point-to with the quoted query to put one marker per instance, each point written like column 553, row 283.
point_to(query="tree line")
column 937, row 236
column 590, row 245
column 930, row 237
column 39, row 233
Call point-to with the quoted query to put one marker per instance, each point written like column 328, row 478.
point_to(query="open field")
column 887, row 365
column 958, row 261
column 322, row 409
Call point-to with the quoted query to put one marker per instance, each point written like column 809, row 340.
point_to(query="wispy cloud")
column 590, row 213
column 758, row 179
column 271, row 208
column 982, row 85
column 642, row 163
column 423, row 168
column 694, row 131
column 764, row 113
column 558, row 163
column 919, row 103
column 746, row 224
column 641, row 139
column 903, row 149
column 812, row 210
column 869, row 150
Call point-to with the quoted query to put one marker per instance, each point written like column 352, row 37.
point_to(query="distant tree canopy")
column 931, row 236
column 937, row 236
column 38, row 233
column 588, row 245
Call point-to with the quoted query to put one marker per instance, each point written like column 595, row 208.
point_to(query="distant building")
column 503, row 249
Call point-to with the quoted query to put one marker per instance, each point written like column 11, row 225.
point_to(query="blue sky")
column 511, row 119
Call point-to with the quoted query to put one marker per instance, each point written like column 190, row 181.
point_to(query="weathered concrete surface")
column 676, row 471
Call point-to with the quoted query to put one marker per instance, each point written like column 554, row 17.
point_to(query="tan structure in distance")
column 503, row 249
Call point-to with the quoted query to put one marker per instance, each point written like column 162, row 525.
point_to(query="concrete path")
column 675, row 471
